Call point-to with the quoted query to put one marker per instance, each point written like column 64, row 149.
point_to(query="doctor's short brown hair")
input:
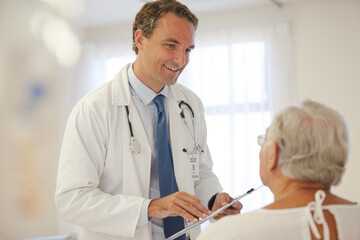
column 146, row 19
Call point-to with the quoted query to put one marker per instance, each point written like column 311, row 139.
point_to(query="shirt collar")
column 145, row 94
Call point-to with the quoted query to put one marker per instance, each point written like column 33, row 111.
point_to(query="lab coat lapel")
column 137, row 166
column 141, row 162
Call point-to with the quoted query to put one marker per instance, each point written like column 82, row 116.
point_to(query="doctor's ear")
column 139, row 37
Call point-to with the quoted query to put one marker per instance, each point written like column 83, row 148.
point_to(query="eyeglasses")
column 261, row 139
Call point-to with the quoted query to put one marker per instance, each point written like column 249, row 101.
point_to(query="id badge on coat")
column 194, row 162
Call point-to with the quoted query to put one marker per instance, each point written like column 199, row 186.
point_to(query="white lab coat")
column 101, row 185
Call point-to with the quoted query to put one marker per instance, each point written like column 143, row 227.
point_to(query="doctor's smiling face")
column 164, row 55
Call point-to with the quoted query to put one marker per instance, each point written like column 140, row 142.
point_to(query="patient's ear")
column 273, row 155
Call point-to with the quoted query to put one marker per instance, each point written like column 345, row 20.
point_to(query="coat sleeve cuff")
column 211, row 202
column 143, row 219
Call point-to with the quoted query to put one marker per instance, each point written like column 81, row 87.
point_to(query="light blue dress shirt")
column 142, row 97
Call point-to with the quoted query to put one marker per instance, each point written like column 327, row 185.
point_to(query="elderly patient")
column 302, row 155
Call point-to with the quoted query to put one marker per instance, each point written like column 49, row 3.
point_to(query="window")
column 231, row 80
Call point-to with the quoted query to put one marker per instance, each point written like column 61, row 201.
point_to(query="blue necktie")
column 167, row 179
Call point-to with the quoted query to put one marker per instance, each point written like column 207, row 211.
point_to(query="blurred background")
column 252, row 58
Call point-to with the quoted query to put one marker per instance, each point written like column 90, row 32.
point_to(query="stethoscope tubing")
column 188, row 106
column 134, row 145
column 194, row 137
column 130, row 125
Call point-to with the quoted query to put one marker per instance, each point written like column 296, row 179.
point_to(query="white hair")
column 313, row 143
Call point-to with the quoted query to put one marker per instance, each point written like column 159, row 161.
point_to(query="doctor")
column 109, row 175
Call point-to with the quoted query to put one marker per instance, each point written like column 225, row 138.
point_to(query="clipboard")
column 188, row 228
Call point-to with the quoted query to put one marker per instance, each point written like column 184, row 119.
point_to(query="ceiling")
column 107, row 12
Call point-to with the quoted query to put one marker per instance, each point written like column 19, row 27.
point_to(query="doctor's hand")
column 221, row 200
column 178, row 204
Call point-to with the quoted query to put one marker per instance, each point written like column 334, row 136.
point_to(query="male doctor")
column 117, row 158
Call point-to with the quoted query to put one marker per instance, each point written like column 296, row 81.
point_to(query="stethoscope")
column 194, row 137
column 134, row 146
